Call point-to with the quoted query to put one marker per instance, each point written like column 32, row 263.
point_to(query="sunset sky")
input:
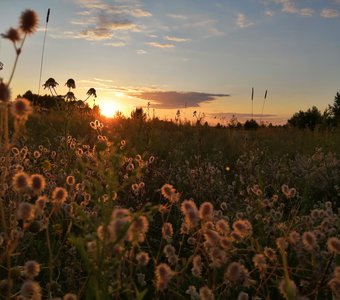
column 202, row 54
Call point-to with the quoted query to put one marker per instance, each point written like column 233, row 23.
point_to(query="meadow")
column 139, row 208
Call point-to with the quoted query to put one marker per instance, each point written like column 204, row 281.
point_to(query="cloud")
column 270, row 13
column 100, row 20
column 178, row 17
column 330, row 13
column 242, row 21
column 115, row 44
column 288, row 6
column 141, row 52
column 306, row 12
column 207, row 27
column 174, row 99
column 161, row 45
column 176, row 39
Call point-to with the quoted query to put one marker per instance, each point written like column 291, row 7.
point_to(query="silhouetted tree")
column 306, row 119
column 334, row 110
column 251, row 125
column 138, row 114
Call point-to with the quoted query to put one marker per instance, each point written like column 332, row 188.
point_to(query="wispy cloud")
column 176, row 39
column 161, row 45
column 141, row 52
column 178, row 17
column 175, row 99
column 330, row 13
column 307, row 12
column 242, row 21
column 289, row 6
column 100, row 20
column 115, row 44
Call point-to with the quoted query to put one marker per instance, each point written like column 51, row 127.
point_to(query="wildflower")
column 334, row 285
column 226, row 242
column 26, row 211
column 32, row 269
column 206, row 293
column 217, row 256
column 222, row 226
column 12, row 34
column 197, row 266
column 234, row 271
column 243, row 296
column 71, row 84
column 269, row 253
column 59, row 195
column 142, row 258
column 70, row 180
column 31, row 290
column 169, row 250
column 36, row 154
column 38, row 183
column 190, row 211
column 212, row 238
column 40, row 203
column 185, row 229
column 294, row 237
column 151, row 159
column 21, row 182
column 70, row 296
column 167, row 231
column 206, row 211
column 29, row 21
column 192, row 292
column 309, row 240
column 169, row 193
column 281, row 243
column 242, row 227
column 173, row 260
column 92, row 92
column 163, row 274
column 259, row 261
column 191, row 241
column 333, row 245
column 21, row 108
column 138, row 228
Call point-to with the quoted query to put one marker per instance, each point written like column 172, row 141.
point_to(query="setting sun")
column 108, row 109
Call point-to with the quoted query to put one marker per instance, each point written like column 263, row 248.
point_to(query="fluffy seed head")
column 29, row 21
column 167, row 231
column 269, row 253
column 309, row 240
column 31, row 290
column 169, row 250
column 206, row 211
column 212, row 238
column 333, row 245
column 163, row 274
column 25, row 211
column 12, row 34
column 59, row 195
column 190, row 211
column 222, row 226
column 70, row 296
column 206, row 293
column 234, row 271
column 31, row 269
column 143, row 258
column 21, row 182
column 242, row 227
column 70, row 180
column 38, row 183
column 259, row 261
column 21, row 108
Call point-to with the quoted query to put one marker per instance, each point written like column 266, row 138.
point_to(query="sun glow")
column 108, row 109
